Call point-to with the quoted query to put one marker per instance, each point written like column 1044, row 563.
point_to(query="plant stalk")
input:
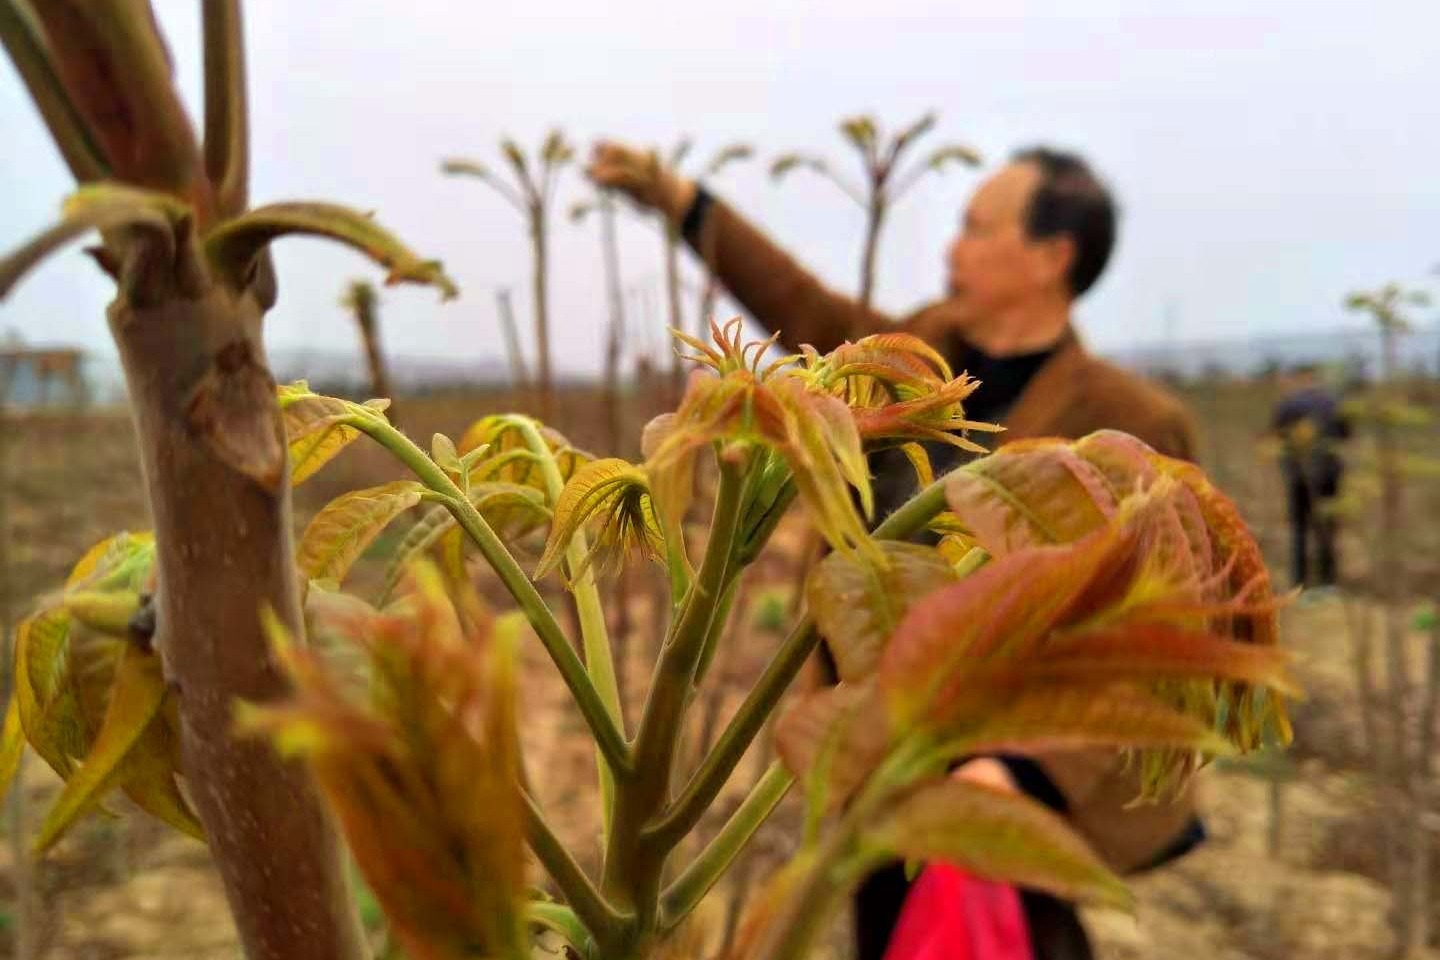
column 208, row 427
column 592, row 707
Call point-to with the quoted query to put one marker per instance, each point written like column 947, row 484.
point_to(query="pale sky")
column 1270, row 155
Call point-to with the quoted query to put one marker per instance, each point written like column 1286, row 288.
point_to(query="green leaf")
column 318, row 427
column 234, row 245
column 857, row 603
column 49, row 711
column 98, row 206
column 12, row 745
column 954, row 153
column 510, row 508
column 999, row 836
column 442, row 451
column 108, row 611
column 343, row 529
column 135, row 699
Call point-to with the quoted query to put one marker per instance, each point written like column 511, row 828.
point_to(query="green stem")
column 601, row 919
column 594, row 634
column 839, row 862
column 716, row 633
column 702, row 789
column 690, row 887
column 602, row 725
column 628, row 864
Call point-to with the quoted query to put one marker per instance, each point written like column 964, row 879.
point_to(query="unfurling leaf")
column 89, row 695
column 614, row 493
column 954, row 153
column 135, row 698
column 319, row 427
column 234, row 245
column 420, row 766
column 857, row 603
column 1000, row 836
column 860, row 131
column 442, row 451
column 343, row 529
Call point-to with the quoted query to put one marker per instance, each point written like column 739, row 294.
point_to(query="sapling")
column 1401, row 758
column 193, row 281
column 531, row 196
column 883, row 182
column 362, row 301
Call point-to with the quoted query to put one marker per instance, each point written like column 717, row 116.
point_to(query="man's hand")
column 640, row 175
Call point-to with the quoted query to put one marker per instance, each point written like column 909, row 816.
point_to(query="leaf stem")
column 594, row 634
column 630, row 865
column 705, row 785
column 601, row 919
column 607, row 735
column 690, row 887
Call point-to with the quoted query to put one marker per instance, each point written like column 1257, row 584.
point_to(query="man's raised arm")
column 779, row 293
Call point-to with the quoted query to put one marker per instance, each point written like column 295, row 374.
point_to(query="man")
column 1310, row 425
column 1035, row 236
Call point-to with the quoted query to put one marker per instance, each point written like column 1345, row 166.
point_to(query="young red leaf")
column 857, row 603
column 832, row 739
column 1000, row 836
column 1029, row 493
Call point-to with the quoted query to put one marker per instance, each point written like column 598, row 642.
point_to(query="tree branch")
column 67, row 127
column 227, row 131
column 112, row 61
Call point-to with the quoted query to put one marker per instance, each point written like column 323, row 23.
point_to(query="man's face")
column 992, row 264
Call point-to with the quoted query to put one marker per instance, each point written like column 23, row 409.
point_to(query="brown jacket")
column 1072, row 394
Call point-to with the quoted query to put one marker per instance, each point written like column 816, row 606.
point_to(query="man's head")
column 1038, row 232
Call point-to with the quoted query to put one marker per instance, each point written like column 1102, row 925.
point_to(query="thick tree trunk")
column 216, row 475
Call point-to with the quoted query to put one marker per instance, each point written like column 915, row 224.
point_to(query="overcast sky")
column 1269, row 154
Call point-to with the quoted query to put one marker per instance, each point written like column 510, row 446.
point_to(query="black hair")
column 1071, row 200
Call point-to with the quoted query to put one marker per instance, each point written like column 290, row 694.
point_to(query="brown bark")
column 215, row 470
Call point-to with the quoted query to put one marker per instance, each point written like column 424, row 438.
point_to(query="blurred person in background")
column 1035, row 236
column 1310, row 425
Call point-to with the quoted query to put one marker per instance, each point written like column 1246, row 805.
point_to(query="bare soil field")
column 1292, row 869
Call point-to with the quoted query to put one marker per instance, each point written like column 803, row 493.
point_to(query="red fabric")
column 950, row 915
